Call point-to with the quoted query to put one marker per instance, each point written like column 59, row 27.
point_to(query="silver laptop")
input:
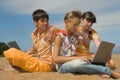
column 13, row 44
column 104, row 49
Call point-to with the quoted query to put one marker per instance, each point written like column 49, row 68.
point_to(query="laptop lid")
column 104, row 49
column 13, row 44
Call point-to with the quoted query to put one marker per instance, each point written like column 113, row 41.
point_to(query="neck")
column 40, row 31
column 69, row 34
column 83, row 29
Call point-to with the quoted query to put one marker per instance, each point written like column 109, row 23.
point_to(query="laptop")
column 13, row 44
column 105, row 48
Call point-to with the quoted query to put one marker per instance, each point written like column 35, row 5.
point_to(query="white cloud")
column 108, row 21
column 106, row 11
column 104, row 19
column 27, row 6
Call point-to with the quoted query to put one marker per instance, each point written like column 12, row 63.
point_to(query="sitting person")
column 64, row 51
column 85, row 33
column 42, row 38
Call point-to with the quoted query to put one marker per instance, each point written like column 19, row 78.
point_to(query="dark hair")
column 72, row 14
column 89, row 16
column 39, row 13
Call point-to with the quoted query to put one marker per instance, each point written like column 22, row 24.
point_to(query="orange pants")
column 25, row 61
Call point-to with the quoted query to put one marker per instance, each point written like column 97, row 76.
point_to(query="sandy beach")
column 22, row 75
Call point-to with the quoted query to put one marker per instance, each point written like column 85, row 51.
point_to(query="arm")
column 96, row 38
column 31, row 51
column 61, row 59
column 96, row 41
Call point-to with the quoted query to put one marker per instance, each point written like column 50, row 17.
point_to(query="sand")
column 22, row 75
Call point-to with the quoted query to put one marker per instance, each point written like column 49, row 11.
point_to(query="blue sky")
column 16, row 20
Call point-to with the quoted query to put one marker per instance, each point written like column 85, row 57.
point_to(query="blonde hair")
column 73, row 14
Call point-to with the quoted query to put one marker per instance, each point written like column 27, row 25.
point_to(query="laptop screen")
column 13, row 44
column 104, row 49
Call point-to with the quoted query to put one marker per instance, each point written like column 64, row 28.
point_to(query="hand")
column 85, row 58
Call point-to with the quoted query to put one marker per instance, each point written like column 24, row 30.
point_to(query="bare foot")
column 104, row 75
column 8, row 68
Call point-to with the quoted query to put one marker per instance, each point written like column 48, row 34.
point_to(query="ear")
column 81, row 20
column 66, row 21
column 35, row 22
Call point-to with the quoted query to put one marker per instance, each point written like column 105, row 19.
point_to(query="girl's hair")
column 89, row 16
column 39, row 13
column 73, row 14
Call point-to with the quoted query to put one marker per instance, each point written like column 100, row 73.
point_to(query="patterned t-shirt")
column 43, row 42
column 84, row 40
column 68, row 47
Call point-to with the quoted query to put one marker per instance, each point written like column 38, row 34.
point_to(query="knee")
column 111, row 64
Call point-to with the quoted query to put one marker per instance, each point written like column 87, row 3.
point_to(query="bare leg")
column 115, row 74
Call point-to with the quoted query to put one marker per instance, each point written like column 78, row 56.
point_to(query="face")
column 73, row 24
column 42, row 24
column 86, row 24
